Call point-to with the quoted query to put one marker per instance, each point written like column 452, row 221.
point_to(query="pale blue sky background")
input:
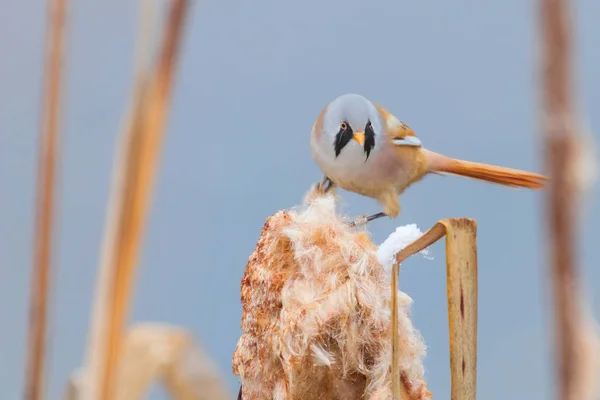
column 252, row 78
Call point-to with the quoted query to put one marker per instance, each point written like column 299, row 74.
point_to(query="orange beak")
column 360, row 137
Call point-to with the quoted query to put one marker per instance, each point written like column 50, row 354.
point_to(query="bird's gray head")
column 350, row 121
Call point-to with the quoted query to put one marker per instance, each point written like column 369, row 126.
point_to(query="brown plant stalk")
column 45, row 200
column 97, row 341
column 159, row 352
column 134, row 178
column 561, row 203
column 148, row 140
column 461, row 278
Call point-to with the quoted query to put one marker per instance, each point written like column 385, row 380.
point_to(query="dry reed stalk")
column 168, row 353
column 134, row 178
column 97, row 340
column 586, row 384
column 558, row 124
column 461, row 278
column 41, row 269
column 161, row 352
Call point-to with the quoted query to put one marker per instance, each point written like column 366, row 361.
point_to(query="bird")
column 363, row 148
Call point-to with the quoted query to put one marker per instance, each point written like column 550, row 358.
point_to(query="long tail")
column 438, row 163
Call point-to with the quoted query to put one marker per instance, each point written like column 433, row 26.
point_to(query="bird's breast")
column 383, row 171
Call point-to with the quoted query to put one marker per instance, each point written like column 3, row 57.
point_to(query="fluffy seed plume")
column 316, row 320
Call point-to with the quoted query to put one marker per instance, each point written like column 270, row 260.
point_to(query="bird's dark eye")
column 343, row 126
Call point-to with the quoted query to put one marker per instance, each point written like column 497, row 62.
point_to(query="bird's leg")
column 319, row 189
column 364, row 219
column 391, row 208
column 326, row 185
column 376, row 216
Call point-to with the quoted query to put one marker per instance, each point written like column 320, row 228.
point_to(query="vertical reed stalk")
column 558, row 124
column 45, row 199
column 461, row 278
column 130, row 202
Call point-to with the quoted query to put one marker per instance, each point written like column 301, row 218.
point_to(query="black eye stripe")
column 369, row 139
column 342, row 138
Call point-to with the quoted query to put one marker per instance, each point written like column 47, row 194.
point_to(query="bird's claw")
column 359, row 221
column 364, row 219
column 320, row 189
column 325, row 185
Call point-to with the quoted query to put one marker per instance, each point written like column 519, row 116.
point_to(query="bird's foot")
column 359, row 221
column 320, row 189
column 365, row 219
column 325, row 185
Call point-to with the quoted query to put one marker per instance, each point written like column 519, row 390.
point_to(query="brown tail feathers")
column 438, row 163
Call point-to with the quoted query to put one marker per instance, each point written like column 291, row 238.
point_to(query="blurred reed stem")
column 560, row 131
column 41, row 273
column 134, row 175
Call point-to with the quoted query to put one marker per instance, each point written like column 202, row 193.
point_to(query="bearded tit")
column 362, row 148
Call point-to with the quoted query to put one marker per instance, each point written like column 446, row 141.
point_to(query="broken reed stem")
column 428, row 238
column 561, row 203
column 129, row 206
column 396, row 384
column 45, row 200
column 461, row 278
column 160, row 352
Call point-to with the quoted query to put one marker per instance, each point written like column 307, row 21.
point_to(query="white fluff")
column 395, row 242
column 316, row 320
column 321, row 356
